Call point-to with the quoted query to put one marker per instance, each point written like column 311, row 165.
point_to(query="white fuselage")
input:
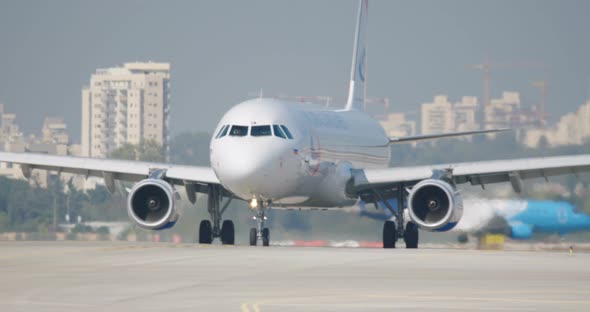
column 309, row 170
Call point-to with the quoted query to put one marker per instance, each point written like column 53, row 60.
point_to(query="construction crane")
column 542, row 85
column 486, row 67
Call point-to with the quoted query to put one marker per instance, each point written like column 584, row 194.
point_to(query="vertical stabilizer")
column 356, row 90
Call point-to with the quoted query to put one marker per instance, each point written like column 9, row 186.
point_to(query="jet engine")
column 435, row 205
column 150, row 204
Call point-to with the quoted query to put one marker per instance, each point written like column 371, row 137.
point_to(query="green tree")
column 126, row 152
column 4, row 222
column 190, row 149
column 146, row 150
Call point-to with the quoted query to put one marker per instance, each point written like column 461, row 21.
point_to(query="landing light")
column 253, row 203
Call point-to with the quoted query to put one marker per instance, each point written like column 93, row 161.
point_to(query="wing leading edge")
column 476, row 173
column 442, row 135
column 110, row 169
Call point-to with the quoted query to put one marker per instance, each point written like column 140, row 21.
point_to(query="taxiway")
column 95, row 276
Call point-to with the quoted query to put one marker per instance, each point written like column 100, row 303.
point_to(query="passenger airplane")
column 523, row 218
column 278, row 154
column 518, row 219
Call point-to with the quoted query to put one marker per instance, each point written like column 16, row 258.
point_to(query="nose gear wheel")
column 260, row 233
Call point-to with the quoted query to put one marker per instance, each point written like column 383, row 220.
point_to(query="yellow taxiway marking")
column 255, row 307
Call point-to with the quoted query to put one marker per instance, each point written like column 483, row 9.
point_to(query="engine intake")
column 435, row 205
column 151, row 205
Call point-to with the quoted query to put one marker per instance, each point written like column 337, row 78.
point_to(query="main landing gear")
column 398, row 229
column 259, row 233
column 391, row 235
column 209, row 230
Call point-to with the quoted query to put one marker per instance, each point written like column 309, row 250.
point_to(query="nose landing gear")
column 260, row 232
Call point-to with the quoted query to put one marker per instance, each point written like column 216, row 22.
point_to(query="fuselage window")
column 239, row 131
column 278, row 131
column 221, row 131
column 287, row 132
column 260, row 131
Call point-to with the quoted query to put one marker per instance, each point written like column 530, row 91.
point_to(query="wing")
column 111, row 169
column 441, row 135
column 476, row 173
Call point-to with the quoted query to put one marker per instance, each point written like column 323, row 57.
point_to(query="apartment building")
column 125, row 104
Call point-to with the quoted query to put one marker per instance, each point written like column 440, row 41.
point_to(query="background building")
column 572, row 129
column 442, row 116
column 396, row 125
column 438, row 116
column 9, row 130
column 465, row 114
column 55, row 131
column 125, row 104
column 503, row 112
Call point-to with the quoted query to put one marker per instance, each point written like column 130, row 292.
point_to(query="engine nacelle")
column 333, row 190
column 435, row 205
column 151, row 205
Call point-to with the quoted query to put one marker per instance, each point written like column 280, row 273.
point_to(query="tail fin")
column 356, row 90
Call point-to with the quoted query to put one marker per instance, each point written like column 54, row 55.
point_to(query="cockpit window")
column 239, row 131
column 260, row 130
column 278, row 132
column 222, row 132
column 287, row 132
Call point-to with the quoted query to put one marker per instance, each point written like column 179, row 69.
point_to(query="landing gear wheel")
column 205, row 233
column 253, row 237
column 411, row 235
column 265, row 237
column 227, row 232
column 389, row 234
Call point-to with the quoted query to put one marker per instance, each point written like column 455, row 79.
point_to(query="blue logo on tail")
column 362, row 67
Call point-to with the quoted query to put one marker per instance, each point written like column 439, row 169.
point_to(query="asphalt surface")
column 92, row 276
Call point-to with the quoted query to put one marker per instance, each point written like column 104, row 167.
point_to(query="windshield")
column 222, row 131
column 278, row 131
column 260, row 130
column 287, row 132
column 239, row 131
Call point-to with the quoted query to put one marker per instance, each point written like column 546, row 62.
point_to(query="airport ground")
column 125, row 276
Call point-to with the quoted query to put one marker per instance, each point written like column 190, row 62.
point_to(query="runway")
column 95, row 276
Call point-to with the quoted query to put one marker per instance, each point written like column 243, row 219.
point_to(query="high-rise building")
column 503, row 112
column 438, row 116
column 442, row 116
column 572, row 129
column 465, row 114
column 125, row 104
column 55, row 131
column 9, row 130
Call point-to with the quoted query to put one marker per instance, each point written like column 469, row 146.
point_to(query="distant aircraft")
column 278, row 154
column 519, row 219
column 523, row 218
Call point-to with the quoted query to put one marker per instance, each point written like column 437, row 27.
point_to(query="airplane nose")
column 252, row 170
column 244, row 165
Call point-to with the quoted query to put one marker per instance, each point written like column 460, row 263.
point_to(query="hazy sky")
column 222, row 50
